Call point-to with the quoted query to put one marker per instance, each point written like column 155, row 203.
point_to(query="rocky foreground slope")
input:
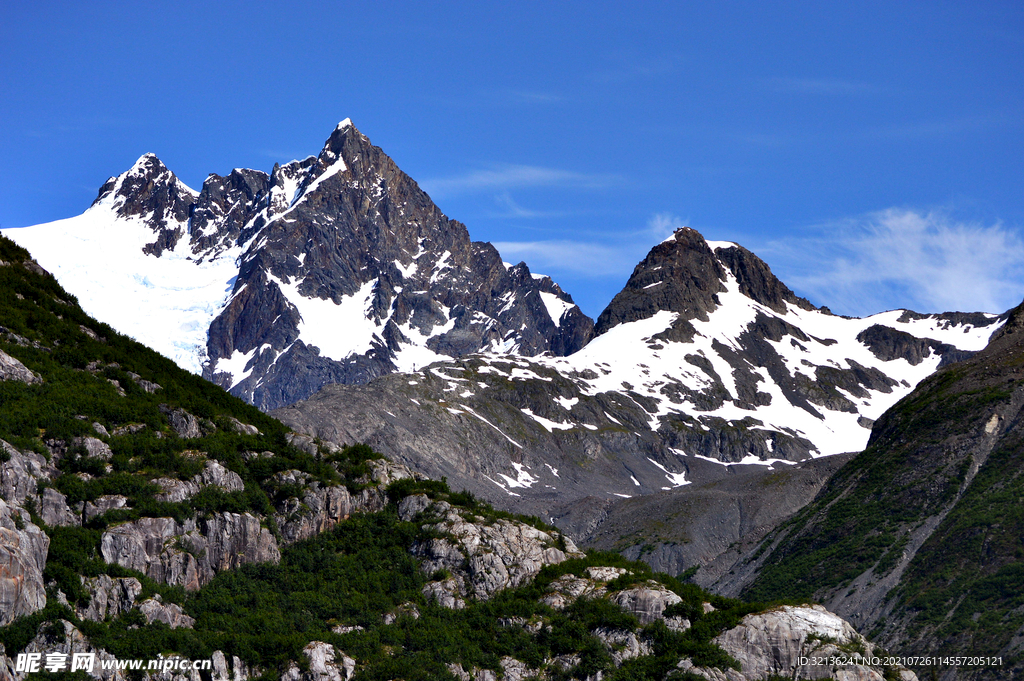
column 146, row 513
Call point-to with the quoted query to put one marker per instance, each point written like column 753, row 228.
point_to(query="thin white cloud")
column 615, row 257
column 819, row 86
column 579, row 258
column 510, row 96
column 512, row 209
column 925, row 261
column 662, row 225
column 515, row 177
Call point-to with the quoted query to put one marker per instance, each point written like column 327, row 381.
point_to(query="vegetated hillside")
column 919, row 538
column 146, row 512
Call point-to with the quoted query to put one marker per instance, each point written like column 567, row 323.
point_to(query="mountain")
column 705, row 360
column 147, row 515
column 337, row 273
column 918, row 538
column 336, row 268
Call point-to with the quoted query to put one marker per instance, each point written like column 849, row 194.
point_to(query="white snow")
column 548, row 424
column 567, row 402
column 470, row 411
column 556, row 307
column 339, row 330
column 677, row 479
column 407, row 271
column 165, row 302
column 523, row 477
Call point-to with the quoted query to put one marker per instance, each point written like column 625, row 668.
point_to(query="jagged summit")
column 335, row 268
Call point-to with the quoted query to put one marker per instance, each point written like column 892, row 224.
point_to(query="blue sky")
column 869, row 152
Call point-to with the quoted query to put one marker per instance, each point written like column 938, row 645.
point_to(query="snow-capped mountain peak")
column 334, row 268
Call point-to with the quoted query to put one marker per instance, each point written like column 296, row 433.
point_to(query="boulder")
column 170, row 614
column 12, row 369
column 325, row 663
column 647, row 601
column 101, row 505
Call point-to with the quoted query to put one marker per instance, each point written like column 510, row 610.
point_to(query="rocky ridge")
column 335, row 268
column 705, row 357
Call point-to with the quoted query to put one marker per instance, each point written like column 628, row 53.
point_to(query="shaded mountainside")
column 145, row 513
column 698, row 529
column 704, row 358
column 336, row 268
column 918, row 538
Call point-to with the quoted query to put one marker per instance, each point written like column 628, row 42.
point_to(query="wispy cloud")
column 819, row 86
column 616, row 256
column 923, row 260
column 513, row 96
column 507, row 177
column 510, row 208
column 630, row 69
column 942, row 127
column 584, row 259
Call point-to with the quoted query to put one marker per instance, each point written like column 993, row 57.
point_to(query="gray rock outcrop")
column 109, row 597
column 322, row 507
column 101, row 505
column 484, row 557
column 324, row 663
column 646, row 601
column 171, row 614
column 11, row 369
column 783, row 641
column 213, row 474
column 67, row 639
column 189, row 554
column 623, row 645
column 23, row 550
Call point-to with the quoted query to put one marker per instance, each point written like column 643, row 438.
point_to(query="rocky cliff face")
column 479, row 558
column 799, row 643
column 334, row 269
column 23, row 548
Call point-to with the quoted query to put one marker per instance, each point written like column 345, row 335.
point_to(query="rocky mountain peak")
column 334, row 268
column 685, row 273
column 756, row 280
column 681, row 274
column 151, row 192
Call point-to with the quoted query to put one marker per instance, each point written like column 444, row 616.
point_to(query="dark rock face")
column 346, row 227
column 887, row 344
column 756, row 280
column 681, row 274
